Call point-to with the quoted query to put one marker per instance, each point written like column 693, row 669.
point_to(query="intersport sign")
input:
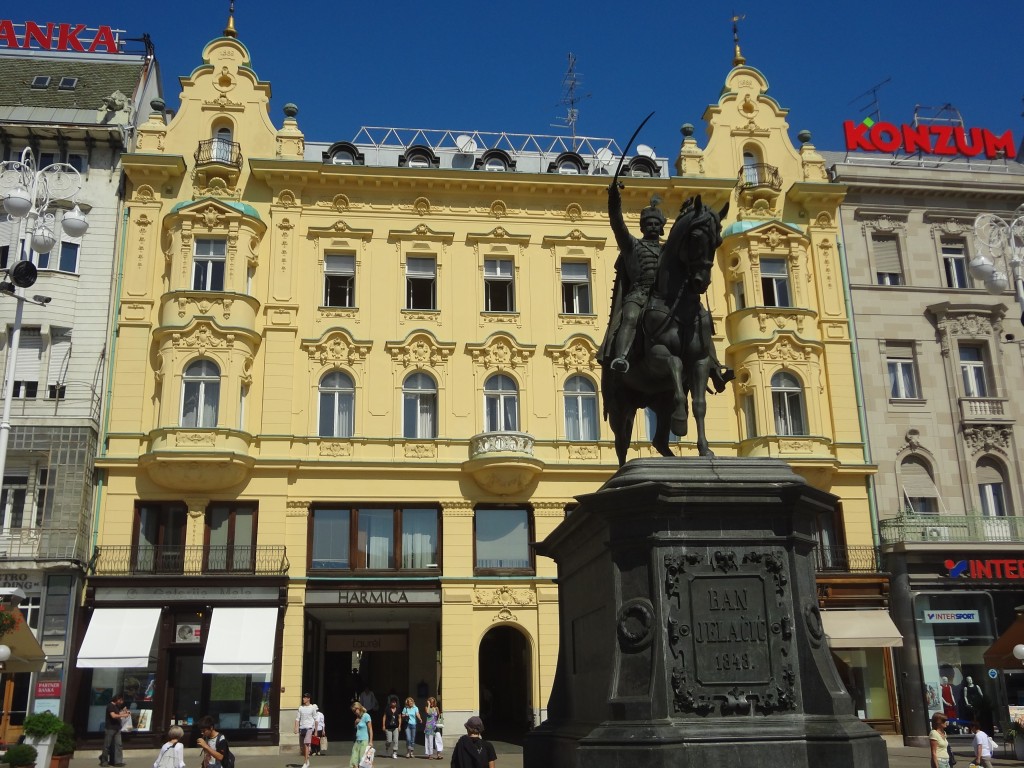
column 53, row 36
column 946, row 140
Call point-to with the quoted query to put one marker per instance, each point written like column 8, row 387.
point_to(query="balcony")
column 987, row 410
column 198, row 459
column 218, row 159
column 910, row 528
column 232, row 560
column 757, row 176
column 178, row 309
column 47, row 543
column 502, row 463
column 851, row 559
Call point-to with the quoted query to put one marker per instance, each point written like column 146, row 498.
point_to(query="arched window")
column 419, row 407
column 222, row 139
column 918, row 487
column 501, row 404
column 751, row 159
column 992, row 489
column 337, row 401
column 788, row 405
column 580, row 409
column 200, row 394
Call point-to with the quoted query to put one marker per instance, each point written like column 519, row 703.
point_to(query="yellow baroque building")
column 353, row 382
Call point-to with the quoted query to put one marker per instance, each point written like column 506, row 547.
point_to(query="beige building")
column 354, row 381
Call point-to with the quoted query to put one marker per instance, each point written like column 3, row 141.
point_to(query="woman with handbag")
column 364, row 738
column 432, row 727
column 939, row 742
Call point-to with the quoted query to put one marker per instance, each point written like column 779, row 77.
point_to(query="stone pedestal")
column 690, row 634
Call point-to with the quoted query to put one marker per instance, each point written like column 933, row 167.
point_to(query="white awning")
column 241, row 641
column 866, row 628
column 26, row 653
column 119, row 637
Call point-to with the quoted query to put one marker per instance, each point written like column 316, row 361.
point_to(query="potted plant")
column 41, row 730
column 1014, row 733
column 63, row 747
column 21, row 755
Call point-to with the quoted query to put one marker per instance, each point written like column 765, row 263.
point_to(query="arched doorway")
column 506, row 705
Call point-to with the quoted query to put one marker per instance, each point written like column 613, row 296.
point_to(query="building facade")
column 355, row 380
column 941, row 360
column 77, row 107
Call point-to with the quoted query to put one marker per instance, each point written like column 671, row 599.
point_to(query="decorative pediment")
column 213, row 214
column 498, row 235
column 574, row 237
column 967, row 320
column 578, row 353
column 337, row 348
column 787, row 349
column 989, row 438
column 420, row 349
column 500, row 352
column 421, row 232
column 204, row 336
column 340, row 228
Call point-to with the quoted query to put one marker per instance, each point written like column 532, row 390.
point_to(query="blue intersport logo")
column 956, row 568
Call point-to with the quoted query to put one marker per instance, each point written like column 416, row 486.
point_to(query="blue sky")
column 487, row 66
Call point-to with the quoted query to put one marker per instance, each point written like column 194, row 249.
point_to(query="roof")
column 238, row 205
column 96, row 81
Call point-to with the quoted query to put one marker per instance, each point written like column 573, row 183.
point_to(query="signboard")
column 951, row 617
column 368, row 642
column 991, row 568
column 944, row 140
column 29, row 582
column 58, row 36
column 48, row 689
column 374, row 597
column 148, row 594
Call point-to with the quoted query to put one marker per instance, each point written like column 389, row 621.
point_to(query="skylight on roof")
column 41, row 81
column 68, row 83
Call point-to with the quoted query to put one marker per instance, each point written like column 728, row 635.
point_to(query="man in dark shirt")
column 112, row 722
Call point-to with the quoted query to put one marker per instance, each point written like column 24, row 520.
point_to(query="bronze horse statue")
column 673, row 357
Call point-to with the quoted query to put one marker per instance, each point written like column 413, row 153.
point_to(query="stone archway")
column 505, row 674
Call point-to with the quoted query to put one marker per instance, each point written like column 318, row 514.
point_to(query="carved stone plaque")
column 730, row 630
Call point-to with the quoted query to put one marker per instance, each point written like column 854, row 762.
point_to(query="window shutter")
column 340, row 265
column 988, row 474
column 887, row 254
column 917, row 483
column 60, row 349
column 30, row 353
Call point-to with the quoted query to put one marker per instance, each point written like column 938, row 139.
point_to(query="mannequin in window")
column 949, row 708
column 974, row 699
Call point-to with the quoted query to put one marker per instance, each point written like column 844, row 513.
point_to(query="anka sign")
column 945, row 140
column 52, row 36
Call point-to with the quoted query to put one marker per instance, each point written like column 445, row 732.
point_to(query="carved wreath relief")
column 729, row 632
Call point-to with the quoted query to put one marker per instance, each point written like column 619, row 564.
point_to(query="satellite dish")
column 643, row 149
column 465, row 143
column 605, row 156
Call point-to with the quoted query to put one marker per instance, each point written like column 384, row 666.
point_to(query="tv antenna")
column 570, row 81
column 875, row 113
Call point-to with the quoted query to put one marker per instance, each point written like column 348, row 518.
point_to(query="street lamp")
column 998, row 240
column 28, row 196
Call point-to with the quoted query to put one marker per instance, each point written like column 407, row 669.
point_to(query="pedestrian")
column 305, row 721
column 321, row 732
column 368, row 700
column 411, row 714
column 364, row 734
column 432, row 730
column 214, row 745
column 982, row 746
column 472, row 750
column 113, row 722
column 938, row 741
column 172, row 753
column 391, row 724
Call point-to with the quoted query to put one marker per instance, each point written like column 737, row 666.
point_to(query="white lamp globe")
column 18, row 202
column 996, row 283
column 980, row 267
column 1018, row 651
column 5, row 653
column 43, row 239
column 74, row 222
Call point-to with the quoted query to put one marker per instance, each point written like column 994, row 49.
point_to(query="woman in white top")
column 172, row 754
column 939, row 743
column 305, row 722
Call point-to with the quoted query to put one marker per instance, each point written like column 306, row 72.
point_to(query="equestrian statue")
column 658, row 351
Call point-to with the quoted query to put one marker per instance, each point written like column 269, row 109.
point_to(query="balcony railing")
column 759, row 175
column 264, row 560
column 500, row 442
column 219, row 151
column 985, row 409
column 911, row 528
column 56, row 543
column 852, row 559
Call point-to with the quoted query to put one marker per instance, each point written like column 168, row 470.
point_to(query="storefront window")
column 240, row 701
column 863, row 672
column 138, row 687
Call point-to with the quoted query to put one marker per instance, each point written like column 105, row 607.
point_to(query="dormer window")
column 495, row 164
column 41, row 82
column 569, row 167
column 568, row 164
column 495, row 160
column 343, row 157
column 68, row 84
column 343, row 153
column 643, row 167
column 418, row 157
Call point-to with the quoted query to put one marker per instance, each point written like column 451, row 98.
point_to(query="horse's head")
column 695, row 236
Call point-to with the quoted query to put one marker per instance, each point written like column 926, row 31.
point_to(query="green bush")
column 42, row 724
column 65, row 744
column 21, row 754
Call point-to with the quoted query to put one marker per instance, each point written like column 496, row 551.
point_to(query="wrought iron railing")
column 219, row 151
column 936, row 529
column 49, row 543
column 760, row 175
column 125, row 560
column 850, row 559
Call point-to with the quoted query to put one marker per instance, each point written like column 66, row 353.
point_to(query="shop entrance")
column 185, row 690
column 505, row 675
column 383, row 670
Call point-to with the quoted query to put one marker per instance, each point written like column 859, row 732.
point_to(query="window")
column 29, row 364
column 231, row 537
column 747, row 404
column 502, row 540
column 337, row 398
column 576, row 287
column 954, row 263
column 200, row 395
column 420, row 283
column 651, row 421
column 499, row 288
column 920, row 496
column 501, row 404
column 67, row 256
column 775, row 283
column 902, row 372
column 220, row 151
column 580, row 409
column 343, row 157
column 972, row 367
column 23, row 498
column 569, row 168
column 739, row 295
column 385, row 538
column 788, row 405
column 67, row 84
column 495, row 164
column 208, row 265
column 888, row 267
column 57, row 368
column 750, row 163
column 160, row 537
column 339, row 280
column 419, row 395
column 40, row 82
column 991, row 489
column 78, row 161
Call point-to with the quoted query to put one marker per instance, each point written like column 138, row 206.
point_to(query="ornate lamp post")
column 999, row 241
column 29, row 196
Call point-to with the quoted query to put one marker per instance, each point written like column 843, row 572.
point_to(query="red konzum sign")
column 928, row 139
column 51, row 36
